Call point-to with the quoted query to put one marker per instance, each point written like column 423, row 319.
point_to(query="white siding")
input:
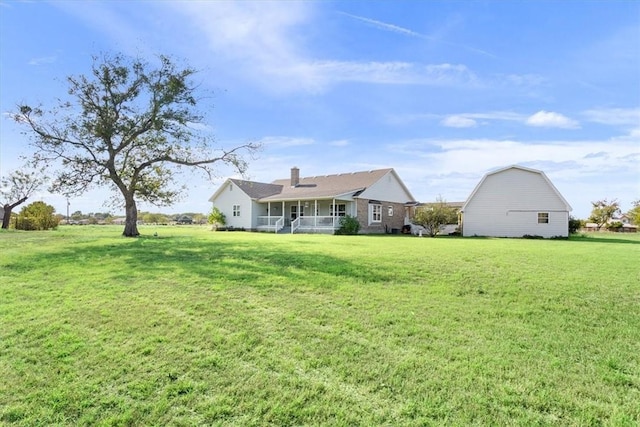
column 388, row 189
column 506, row 204
column 235, row 196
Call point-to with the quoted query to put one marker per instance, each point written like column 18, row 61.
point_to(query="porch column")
column 283, row 217
column 334, row 213
column 269, row 214
column 315, row 213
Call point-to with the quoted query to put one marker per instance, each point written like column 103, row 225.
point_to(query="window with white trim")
column 294, row 211
column 375, row 213
column 390, row 211
column 339, row 210
column 543, row 217
column 236, row 210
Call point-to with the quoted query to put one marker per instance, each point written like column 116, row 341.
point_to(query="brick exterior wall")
column 388, row 222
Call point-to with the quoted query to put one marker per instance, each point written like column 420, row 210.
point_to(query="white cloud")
column 471, row 119
column 265, row 42
column 339, row 143
column 405, row 31
column 615, row 116
column 124, row 28
column 285, row 141
column 384, row 25
column 575, row 167
column 552, row 120
column 43, row 60
column 526, row 80
column 328, row 72
column 458, row 122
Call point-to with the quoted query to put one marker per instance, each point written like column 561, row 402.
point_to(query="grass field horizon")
column 194, row 327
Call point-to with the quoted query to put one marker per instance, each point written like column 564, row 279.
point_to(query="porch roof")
column 344, row 185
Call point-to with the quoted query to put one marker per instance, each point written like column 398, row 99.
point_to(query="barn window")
column 543, row 217
column 236, row 210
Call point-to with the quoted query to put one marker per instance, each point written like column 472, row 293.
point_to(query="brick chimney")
column 295, row 176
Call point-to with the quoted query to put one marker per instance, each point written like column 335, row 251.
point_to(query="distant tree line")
column 78, row 217
column 41, row 216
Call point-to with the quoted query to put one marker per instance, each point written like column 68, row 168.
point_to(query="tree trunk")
column 131, row 220
column 8, row 208
column 7, row 216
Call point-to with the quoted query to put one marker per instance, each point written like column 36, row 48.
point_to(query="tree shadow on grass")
column 259, row 264
column 598, row 239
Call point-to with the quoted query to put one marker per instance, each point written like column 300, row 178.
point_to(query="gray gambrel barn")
column 513, row 202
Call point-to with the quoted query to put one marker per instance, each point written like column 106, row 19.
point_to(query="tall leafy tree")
column 433, row 215
column 603, row 210
column 131, row 126
column 634, row 212
column 16, row 188
column 37, row 216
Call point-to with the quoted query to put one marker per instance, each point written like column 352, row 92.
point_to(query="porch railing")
column 303, row 223
column 295, row 224
column 318, row 222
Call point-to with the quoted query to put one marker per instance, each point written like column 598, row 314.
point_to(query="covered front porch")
column 304, row 216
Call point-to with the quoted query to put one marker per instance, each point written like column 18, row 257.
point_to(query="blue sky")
column 442, row 91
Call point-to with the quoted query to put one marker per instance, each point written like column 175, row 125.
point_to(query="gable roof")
column 497, row 171
column 328, row 186
column 255, row 190
column 350, row 184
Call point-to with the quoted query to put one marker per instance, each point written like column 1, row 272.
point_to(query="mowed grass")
column 194, row 327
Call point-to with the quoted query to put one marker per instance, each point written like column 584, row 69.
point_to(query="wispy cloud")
column 43, row 60
column 327, row 72
column 456, row 165
column 540, row 119
column 458, row 122
column 262, row 43
column 614, row 116
column 550, row 119
column 285, row 141
column 472, row 119
column 405, row 31
column 384, row 26
column 339, row 143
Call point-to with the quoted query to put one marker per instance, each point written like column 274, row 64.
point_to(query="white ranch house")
column 378, row 199
column 513, row 202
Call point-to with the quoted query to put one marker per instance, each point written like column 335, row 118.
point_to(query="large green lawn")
column 194, row 327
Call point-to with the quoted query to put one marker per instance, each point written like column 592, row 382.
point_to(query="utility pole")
column 67, row 211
